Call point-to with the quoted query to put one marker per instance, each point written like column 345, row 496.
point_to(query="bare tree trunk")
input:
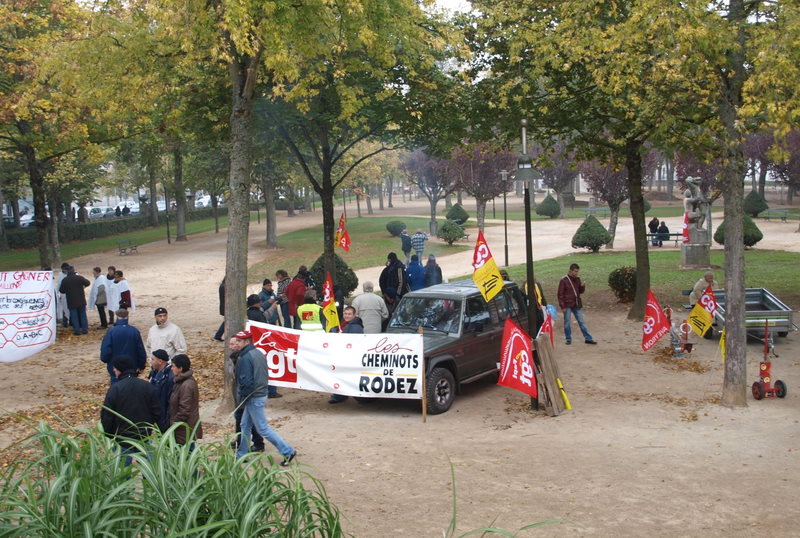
column 433, row 226
column 734, row 388
column 243, row 73
column 52, row 229
column 670, row 180
column 358, row 205
column 369, row 201
column 180, row 193
column 763, row 163
column 269, row 210
column 379, row 194
column 633, row 163
column 389, row 188
column 152, row 212
column 612, row 225
column 480, row 213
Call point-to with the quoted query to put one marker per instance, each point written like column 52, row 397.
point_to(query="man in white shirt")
column 165, row 335
column 98, row 296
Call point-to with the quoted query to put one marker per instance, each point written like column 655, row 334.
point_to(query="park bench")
column 602, row 211
column 465, row 237
column 677, row 237
column 126, row 246
column 783, row 214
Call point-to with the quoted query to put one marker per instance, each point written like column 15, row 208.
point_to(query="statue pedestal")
column 695, row 255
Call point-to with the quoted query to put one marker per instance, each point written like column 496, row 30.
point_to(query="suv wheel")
column 440, row 391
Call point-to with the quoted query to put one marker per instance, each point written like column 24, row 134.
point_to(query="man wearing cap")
column 253, row 380
column 131, row 407
column 165, row 335
column 254, row 312
column 122, row 339
column 269, row 301
column 162, row 379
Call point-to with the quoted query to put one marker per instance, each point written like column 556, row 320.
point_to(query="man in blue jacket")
column 252, row 377
column 122, row 339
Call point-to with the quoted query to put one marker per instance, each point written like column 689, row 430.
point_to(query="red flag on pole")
column 655, row 322
column 516, row 361
column 685, row 227
column 329, row 305
column 547, row 328
column 342, row 238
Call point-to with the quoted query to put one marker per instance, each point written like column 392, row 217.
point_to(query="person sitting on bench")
column 663, row 233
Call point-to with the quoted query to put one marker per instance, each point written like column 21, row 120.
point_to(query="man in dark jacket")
column 73, row 286
column 254, row 312
column 570, row 289
column 350, row 324
column 416, row 274
column 253, row 380
column 131, row 407
column 162, row 379
column 122, row 339
column 393, row 276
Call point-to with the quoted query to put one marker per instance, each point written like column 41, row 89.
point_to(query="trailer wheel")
column 783, row 334
column 758, row 390
column 780, row 389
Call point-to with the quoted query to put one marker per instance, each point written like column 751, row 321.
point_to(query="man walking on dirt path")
column 570, row 289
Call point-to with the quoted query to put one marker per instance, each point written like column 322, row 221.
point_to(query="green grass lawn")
column 763, row 269
column 370, row 245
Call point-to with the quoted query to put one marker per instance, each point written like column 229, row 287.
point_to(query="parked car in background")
column 99, row 211
column 27, row 221
column 462, row 333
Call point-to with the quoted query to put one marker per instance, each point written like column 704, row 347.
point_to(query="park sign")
column 27, row 313
column 365, row 365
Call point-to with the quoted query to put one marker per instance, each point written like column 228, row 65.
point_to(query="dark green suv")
column 462, row 333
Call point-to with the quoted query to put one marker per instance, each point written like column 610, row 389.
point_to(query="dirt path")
column 646, row 449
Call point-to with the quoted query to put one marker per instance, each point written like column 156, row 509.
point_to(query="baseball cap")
column 160, row 310
column 243, row 335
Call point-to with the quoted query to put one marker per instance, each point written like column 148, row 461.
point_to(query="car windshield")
column 429, row 312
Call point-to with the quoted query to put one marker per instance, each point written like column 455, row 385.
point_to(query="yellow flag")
column 722, row 345
column 329, row 305
column 486, row 275
column 700, row 320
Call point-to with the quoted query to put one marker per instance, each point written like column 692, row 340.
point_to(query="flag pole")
column 530, row 280
column 424, row 386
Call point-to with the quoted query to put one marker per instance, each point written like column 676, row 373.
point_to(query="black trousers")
column 101, row 311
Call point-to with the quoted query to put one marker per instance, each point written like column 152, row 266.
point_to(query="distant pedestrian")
column 109, row 283
column 122, row 339
column 394, row 276
column 405, row 245
column 161, row 377
column 184, row 403
column 570, row 289
column 418, row 242
column 269, row 301
column 73, row 286
column 416, row 274
column 371, row 309
column 98, row 297
column 62, row 310
column 433, row 273
column 253, row 378
column 653, row 227
column 663, row 233
column 117, row 211
column 283, row 283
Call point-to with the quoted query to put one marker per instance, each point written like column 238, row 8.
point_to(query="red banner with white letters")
column 516, row 361
column 655, row 323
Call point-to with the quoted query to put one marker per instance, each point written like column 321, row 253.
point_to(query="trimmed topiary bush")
column 394, row 227
column 622, row 282
column 591, row 235
column 345, row 278
column 457, row 214
column 450, row 232
column 752, row 234
column 754, row 204
column 549, row 208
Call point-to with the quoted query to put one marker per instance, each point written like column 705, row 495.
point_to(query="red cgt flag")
column 655, row 323
column 547, row 328
column 516, row 361
column 342, row 238
column 329, row 304
column 685, row 227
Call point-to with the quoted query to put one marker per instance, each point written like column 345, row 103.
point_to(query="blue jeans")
column 287, row 321
column 253, row 416
column 581, row 323
column 77, row 317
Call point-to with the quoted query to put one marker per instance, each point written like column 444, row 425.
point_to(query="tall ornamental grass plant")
column 77, row 484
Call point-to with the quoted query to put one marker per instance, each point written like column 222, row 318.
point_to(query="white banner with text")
column 366, row 365
column 27, row 313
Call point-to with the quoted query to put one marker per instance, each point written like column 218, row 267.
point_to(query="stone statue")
column 697, row 205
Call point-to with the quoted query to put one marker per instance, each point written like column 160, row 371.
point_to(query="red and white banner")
column 655, row 323
column 366, row 365
column 516, row 360
column 27, row 313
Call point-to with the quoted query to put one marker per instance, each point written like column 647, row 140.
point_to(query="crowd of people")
column 109, row 292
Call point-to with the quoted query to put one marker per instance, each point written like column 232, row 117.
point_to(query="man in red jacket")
column 296, row 294
column 570, row 289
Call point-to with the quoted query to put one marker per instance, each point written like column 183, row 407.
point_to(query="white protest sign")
column 367, row 365
column 27, row 313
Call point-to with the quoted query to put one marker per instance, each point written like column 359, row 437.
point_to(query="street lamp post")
column 504, row 176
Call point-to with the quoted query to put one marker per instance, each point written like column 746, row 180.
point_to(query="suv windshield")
column 432, row 313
